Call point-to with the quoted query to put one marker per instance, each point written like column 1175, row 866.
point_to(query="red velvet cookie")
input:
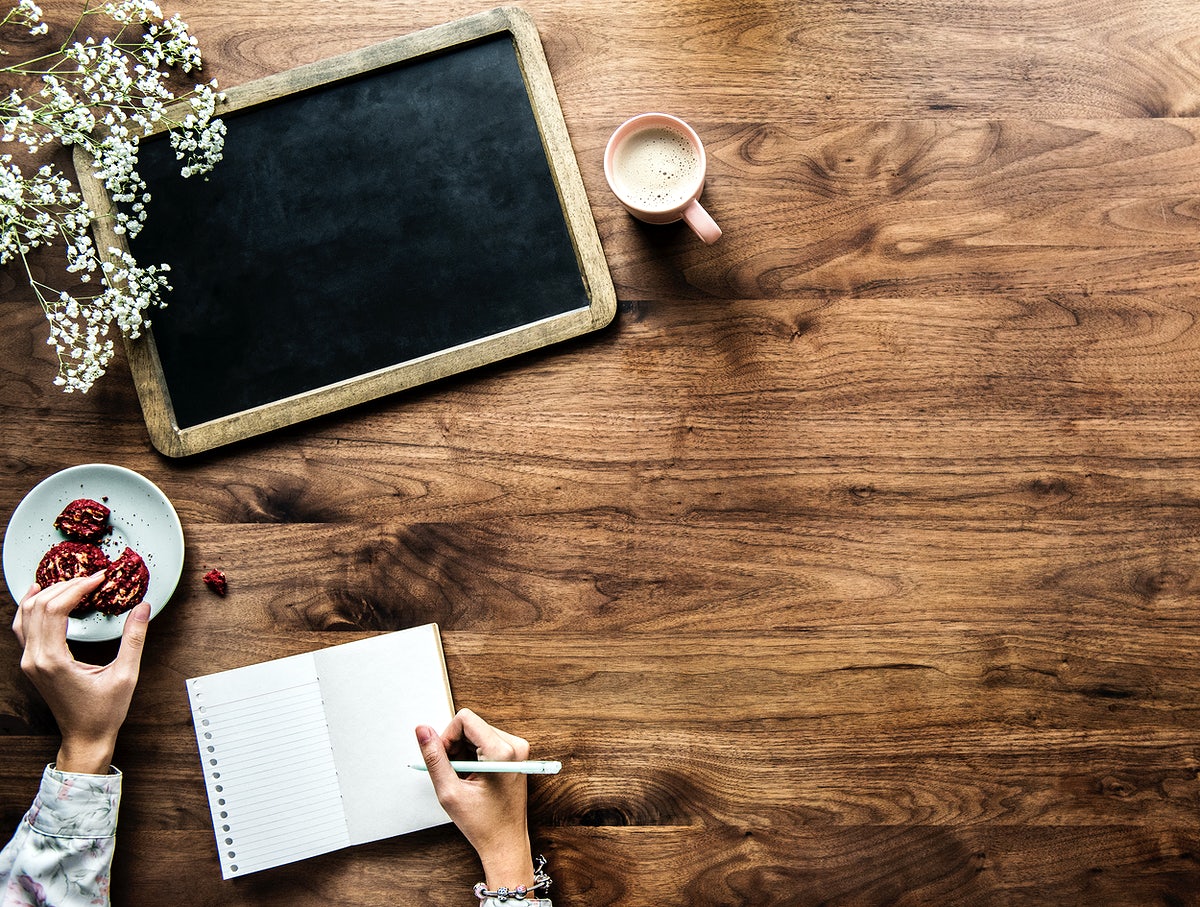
column 83, row 520
column 125, row 583
column 67, row 560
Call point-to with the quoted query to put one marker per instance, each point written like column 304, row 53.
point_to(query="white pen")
column 522, row 768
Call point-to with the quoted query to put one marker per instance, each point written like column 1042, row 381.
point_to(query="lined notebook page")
column 268, row 765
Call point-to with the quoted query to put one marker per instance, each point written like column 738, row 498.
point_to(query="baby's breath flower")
column 102, row 94
column 28, row 14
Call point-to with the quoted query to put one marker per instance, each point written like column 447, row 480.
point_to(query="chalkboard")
column 379, row 220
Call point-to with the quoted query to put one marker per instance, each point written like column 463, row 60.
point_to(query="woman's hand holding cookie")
column 89, row 702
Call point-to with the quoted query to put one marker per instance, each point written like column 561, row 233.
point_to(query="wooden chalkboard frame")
column 165, row 433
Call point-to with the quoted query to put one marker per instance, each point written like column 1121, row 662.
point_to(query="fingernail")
column 142, row 612
column 424, row 734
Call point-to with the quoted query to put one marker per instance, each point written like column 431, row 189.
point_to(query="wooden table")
column 857, row 563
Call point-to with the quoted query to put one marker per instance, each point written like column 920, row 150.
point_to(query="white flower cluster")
column 29, row 14
column 103, row 94
column 81, row 327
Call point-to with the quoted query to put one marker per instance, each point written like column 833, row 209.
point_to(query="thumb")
column 441, row 773
column 133, row 638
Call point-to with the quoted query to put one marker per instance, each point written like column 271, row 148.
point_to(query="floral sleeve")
column 63, row 849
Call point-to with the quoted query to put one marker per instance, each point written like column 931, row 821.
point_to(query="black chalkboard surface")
column 379, row 220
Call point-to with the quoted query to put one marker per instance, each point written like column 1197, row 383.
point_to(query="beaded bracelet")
column 521, row 892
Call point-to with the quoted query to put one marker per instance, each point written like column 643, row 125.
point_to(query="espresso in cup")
column 655, row 165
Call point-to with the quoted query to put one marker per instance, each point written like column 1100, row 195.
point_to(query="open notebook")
column 311, row 753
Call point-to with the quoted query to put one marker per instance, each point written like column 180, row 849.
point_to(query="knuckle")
column 510, row 750
column 36, row 665
column 62, row 604
column 520, row 749
column 449, row 797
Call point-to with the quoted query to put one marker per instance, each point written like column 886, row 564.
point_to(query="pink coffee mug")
column 655, row 165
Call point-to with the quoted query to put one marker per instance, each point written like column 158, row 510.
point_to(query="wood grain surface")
column 856, row 563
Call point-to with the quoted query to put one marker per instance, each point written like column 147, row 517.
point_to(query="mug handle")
column 701, row 222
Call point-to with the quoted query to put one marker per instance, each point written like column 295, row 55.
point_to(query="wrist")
column 85, row 757
column 509, row 866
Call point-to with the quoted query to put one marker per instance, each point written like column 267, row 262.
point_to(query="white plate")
column 142, row 518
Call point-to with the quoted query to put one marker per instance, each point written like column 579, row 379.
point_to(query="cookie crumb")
column 215, row 580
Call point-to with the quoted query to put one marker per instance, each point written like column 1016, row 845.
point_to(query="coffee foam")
column 656, row 168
